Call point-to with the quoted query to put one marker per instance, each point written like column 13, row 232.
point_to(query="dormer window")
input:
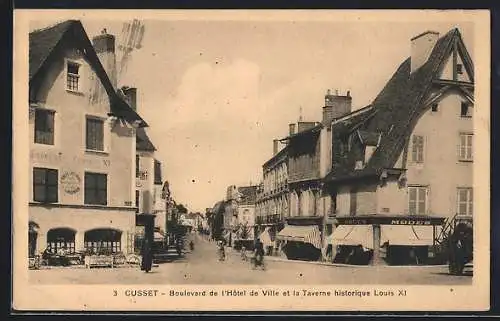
column 434, row 107
column 459, row 69
column 72, row 76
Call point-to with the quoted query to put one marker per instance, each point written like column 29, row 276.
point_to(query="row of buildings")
column 93, row 166
column 383, row 183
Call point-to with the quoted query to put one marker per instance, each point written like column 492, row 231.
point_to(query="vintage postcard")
column 294, row 160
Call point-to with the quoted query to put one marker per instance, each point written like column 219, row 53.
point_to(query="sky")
column 216, row 93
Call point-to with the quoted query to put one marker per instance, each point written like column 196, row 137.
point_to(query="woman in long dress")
column 147, row 256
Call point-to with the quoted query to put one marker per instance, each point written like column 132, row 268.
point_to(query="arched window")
column 61, row 238
column 103, row 240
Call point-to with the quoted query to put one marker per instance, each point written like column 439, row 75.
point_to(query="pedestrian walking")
column 147, row 256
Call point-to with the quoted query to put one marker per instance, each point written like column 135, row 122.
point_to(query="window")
column 464, row 196
column 103, row 241
column 353, row 201
column 45, row 185
column 459, row 69
column 137, row 197
column 137, row 159
column 44, row 127
column 465, row 109
column 61, row 239
column 465, row 153
column 434, row 107
column 418, row 149
column 72, row 76
column 96, row 189
column 417, row 200
column 95, row 134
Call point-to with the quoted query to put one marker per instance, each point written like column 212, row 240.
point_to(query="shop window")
column 94, row 134
column 72, row 76
column 44, row 126
column 417, row 200
column 61, row 239
column 96, row 189
column 45, row 188
column 418, row 149
column 103, row 241
column 465, row 153
column 465, row 201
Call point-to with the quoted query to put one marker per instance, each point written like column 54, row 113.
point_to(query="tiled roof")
column 44, row 43
column 281, row 153
column 393, row 115
column 143, row 143
column 248, row 195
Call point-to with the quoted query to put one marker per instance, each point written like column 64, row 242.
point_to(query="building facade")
column 82, row 144
column 404, row 170
column 310, row 217
column 273, row 198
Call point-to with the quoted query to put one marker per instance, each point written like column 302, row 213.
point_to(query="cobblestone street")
column 202, row 267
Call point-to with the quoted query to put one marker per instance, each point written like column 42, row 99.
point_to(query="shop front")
column 301, row 242
column 380, row 240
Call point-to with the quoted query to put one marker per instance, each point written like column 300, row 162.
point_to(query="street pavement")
column 202, row 267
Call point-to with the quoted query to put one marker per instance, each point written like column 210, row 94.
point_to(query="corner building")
column 401, row 170
column 82, row 144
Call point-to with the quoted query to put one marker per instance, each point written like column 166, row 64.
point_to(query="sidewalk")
column 231, row 251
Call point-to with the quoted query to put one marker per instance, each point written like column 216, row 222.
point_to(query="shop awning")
column 299, row 233
column 406, row 235
column 353, row 235
column 265, row 237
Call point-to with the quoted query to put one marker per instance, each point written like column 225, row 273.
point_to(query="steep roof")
column 143, row 142
column 394, row 113
column 44, row 44
column 248, row 195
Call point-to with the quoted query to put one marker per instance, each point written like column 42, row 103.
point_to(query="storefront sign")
column 385, row 220
column 70, row 182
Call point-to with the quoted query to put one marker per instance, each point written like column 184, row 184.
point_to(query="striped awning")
column 301, row 233
column 353, row 235
column 407, row 235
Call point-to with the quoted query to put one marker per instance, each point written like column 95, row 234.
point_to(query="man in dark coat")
column 147, row 256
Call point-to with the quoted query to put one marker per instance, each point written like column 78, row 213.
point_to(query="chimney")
column 336, row 106
column 275, row 147
column 292, row 129
column 104, row 45
column 131, row 96
column 421, row 48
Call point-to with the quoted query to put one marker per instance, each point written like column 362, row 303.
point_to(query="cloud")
column 209, row 131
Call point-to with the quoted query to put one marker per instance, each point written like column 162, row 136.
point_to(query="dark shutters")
column 95, row 134
column 96, row 189
column 45, row 187
column 44, row 127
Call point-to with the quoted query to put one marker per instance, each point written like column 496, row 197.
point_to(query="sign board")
column 385, row 220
